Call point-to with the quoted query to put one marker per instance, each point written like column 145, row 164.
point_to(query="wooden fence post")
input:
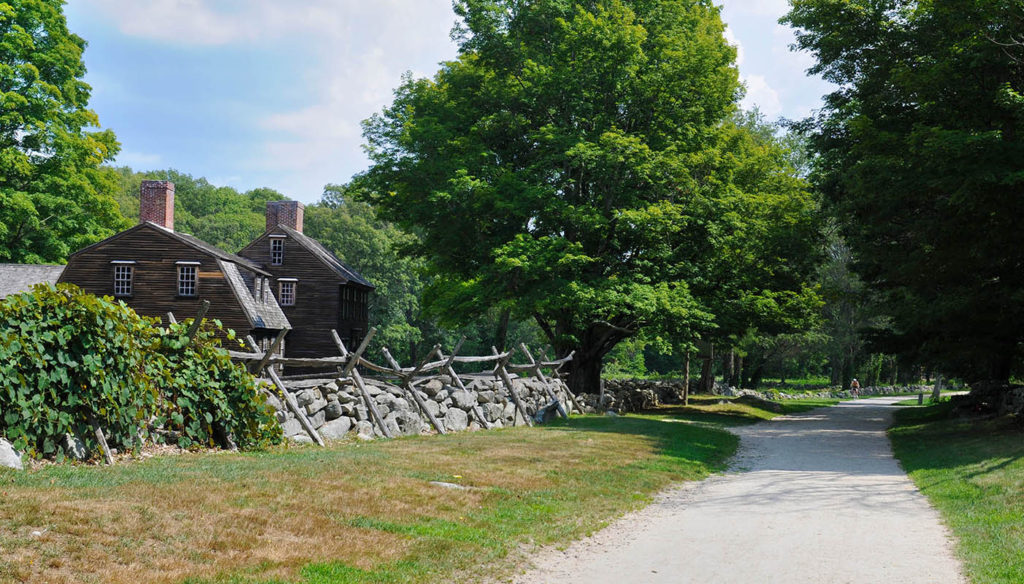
column 540, row 375
column 294, row 407
column 270, row 353
column 500, row 370
column 358, row 379
column 408, row 386
column 458, row 382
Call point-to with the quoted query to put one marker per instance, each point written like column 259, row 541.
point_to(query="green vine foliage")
column 70, row 360
column 205, row 396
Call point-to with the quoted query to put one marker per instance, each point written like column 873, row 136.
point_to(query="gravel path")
column 815, row 498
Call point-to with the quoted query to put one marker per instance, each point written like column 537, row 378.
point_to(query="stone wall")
column 336, row 408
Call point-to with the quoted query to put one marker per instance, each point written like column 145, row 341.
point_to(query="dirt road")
column 815, row 498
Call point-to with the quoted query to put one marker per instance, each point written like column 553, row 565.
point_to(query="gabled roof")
column 16, row 278
column 326, row 257
column 261, row 314
column 188, row 240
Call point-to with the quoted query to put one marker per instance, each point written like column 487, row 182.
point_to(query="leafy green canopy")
column 573, row 166
column 70, row 359
column 55, row 197
column 922, row 161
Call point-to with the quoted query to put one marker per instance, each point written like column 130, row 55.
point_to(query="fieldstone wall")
column 336, row 408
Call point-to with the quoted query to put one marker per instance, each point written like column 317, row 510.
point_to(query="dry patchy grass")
column 353, row 512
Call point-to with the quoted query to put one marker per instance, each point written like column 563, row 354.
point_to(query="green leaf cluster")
column 579, row 165
column 55, row 195
column 920, row 158
column 71, row 360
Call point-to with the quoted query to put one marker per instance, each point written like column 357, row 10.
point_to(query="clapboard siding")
column 317, row 301
column 155, row 283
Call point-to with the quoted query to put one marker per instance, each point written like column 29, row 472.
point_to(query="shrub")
column 205, row 396
column 68, row 360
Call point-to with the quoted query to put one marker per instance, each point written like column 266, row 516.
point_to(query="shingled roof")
column 16, row 278
column 326, row 257
column 262, row 313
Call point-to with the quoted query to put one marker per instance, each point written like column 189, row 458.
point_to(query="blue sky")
column 252, row 93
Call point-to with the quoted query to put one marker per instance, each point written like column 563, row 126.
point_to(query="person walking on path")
column 815, row 498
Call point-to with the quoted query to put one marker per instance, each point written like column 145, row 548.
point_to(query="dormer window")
column 188, row 278
column 276, row 250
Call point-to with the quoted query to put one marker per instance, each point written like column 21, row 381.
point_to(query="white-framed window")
column 287, row 289
column 276, row 251
column 124, row 272
column 188, row 278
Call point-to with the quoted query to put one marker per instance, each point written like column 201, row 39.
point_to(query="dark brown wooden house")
column 317, row 291
column 157, row 270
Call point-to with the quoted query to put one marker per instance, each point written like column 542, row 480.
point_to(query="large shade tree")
column 55, row 196
column 922, row 161
column 571, row 166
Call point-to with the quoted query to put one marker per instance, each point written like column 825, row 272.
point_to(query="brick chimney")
column 156, row 203
column 287, row 213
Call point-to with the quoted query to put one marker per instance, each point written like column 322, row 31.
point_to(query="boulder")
column 301, row 439
column 336, row 429
column 9, row 457
column 493, row 411
column 757, row 402
column 305, row 397
column 281, row 416
column 404, row 423
column 456, row 420
column 333, row 410
column 485, row 397
column 432, row 387
column 274, row 402
column 317, row 419
column 346, row 398
column 292, row 427
column 316, row 406
column 364, row 430
column 546, row 413
column 74, row 448
column 508, row 411
column 400, row 404
column 464, row 399
column 432, row 406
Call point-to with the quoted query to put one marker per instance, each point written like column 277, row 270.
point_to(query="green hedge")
column 69, row 360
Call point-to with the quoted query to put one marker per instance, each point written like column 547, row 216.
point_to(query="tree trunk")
column 729, row 368
column 686, row 381
column 501, row 335
column 707, row 377
column 737, row 375
column 584, row 374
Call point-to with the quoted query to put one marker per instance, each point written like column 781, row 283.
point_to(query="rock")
column 508, row 411
column 292, row 427
column 305, row 397
column 395, row 391
column 9, row 457
column 274, row 402
column 475, row 427
column 400, row 404
column 456, row 420
column 348, row 409
column 315, row 406
column 346, row 398
column 432, row 387
column 331, row 386
column 317, row 419
column 757, row 402
column 74, row 448
column 333, row 410
column 336, row 429
column 362, row 414
column 442, row 396
column 432, row 407
column 364, row 430
column 493, row 411
column 373, row 390
column 497, row 424
column 485, row 397
column 301, row 439
column 404, row 423
column 463, row 399
column 383, row 410
column 546, row 413
column 281, row 416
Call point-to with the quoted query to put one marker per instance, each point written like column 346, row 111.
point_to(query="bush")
column 205, row 396
column 69, row 360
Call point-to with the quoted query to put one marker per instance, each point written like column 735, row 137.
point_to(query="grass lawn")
column 354, row 512
column 973, row 472
column 723, row 411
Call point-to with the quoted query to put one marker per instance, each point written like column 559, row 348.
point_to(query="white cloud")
column 138, row 159
column 730, row 36
column 761, row 95
column 774, row 8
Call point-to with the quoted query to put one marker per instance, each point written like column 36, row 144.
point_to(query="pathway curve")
column 812, row 498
